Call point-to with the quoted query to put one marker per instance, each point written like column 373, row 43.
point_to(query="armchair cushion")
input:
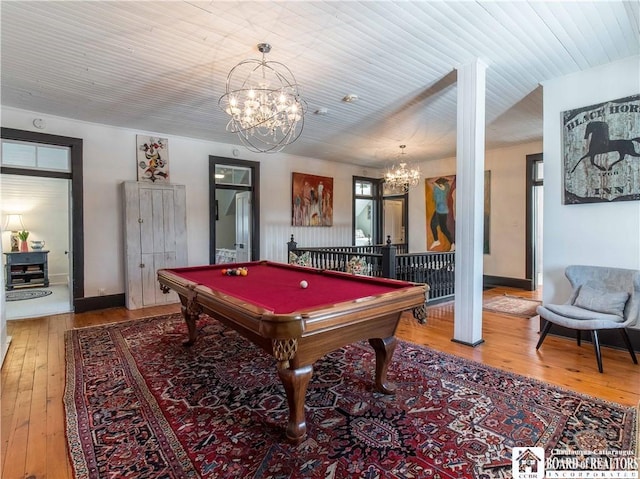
column 567, row 314
column 610, row 303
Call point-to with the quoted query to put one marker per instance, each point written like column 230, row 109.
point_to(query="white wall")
column 110, row 159
column 601, row 234
column 507, row 257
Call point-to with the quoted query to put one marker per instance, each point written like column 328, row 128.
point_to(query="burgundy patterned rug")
column 140, row 405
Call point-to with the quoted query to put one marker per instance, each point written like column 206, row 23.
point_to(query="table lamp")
column 14, row 224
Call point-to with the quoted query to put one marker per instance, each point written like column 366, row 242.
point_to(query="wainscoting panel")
column 276, row 237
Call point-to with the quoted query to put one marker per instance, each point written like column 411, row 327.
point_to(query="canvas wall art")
column 152, row 159
column 440, row 197
column 440, row 194
column 312, row 200
column 601, row 152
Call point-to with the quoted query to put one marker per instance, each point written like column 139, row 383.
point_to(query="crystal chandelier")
column 264, row 104
column 402, row 176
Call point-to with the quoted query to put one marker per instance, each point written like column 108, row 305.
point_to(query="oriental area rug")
column 139, row 404
column 511, row 305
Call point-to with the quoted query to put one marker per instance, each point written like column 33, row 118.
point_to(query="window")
column 35, row 157
column 365, row 211
column 232, row 175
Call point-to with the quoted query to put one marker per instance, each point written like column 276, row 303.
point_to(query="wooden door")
column 155, row 232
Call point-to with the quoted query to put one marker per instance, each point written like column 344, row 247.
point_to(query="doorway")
column 47, row 168
column 234, row 210
column 379, row 213
column 44, row 212
column 394, row 219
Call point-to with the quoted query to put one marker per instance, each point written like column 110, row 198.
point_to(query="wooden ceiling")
column 161, row 66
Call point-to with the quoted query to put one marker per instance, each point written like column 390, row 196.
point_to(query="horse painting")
column 601, row 144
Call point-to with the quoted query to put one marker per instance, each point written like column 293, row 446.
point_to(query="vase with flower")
column 23, row 235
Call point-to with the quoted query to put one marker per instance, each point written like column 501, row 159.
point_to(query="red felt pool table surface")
column 276, row 287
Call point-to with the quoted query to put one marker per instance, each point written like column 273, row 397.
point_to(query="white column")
column 469, row 203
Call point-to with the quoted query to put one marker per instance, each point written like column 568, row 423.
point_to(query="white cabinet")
column 155, row 237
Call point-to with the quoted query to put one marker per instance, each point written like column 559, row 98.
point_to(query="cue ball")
column 303, row 284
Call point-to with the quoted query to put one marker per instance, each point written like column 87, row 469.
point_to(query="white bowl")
column 37, row 244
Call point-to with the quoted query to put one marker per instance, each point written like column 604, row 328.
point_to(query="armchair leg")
column 543, row 334
column 627, row 341
column 578, row 336
column 596, row 346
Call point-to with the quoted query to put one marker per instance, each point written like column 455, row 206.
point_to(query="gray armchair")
column 602, row 298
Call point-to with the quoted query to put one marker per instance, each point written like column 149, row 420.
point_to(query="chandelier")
column 264, row 104
column 402, row 176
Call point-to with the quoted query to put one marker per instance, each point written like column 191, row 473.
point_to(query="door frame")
column 245, row 193
column 376, row 198
column 75, row 146
column 254, row 166
column 530, row 234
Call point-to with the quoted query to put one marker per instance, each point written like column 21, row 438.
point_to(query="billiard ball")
column 303, row 284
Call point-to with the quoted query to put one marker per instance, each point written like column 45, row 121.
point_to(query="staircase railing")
column 433, row 268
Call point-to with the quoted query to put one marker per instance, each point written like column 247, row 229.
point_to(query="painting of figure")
column 440, row 197
column 441, row 213
column 312, row 200
column 601, row 150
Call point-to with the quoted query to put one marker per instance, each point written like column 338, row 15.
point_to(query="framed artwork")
column 152, row 159
column 440, row 198
column 601, row 152
column 312, row 200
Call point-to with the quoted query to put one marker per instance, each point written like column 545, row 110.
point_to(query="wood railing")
column 432, row 268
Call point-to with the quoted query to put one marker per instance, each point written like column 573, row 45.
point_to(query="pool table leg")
column 295, row 382
column 384, row 349
column 190, row 312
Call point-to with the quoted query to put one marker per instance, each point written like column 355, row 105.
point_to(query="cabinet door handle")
column 140, row 220
column 142, row 265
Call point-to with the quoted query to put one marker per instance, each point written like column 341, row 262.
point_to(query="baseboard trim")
column 82, row 305
column 5, row 349
column 493, row 281
column 473, row 345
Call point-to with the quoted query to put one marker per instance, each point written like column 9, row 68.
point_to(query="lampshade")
column 402, row 176
column 264, row 104
column 14, row 223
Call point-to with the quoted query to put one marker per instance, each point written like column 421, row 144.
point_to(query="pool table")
column 294, row 324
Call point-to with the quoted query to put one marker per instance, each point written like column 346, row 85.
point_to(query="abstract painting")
column 601, row 152
column 312, row 200
column 152, row 159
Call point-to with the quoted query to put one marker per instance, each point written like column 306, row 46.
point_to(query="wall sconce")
column 14, row 224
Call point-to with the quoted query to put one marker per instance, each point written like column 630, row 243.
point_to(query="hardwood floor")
column 33, row 374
